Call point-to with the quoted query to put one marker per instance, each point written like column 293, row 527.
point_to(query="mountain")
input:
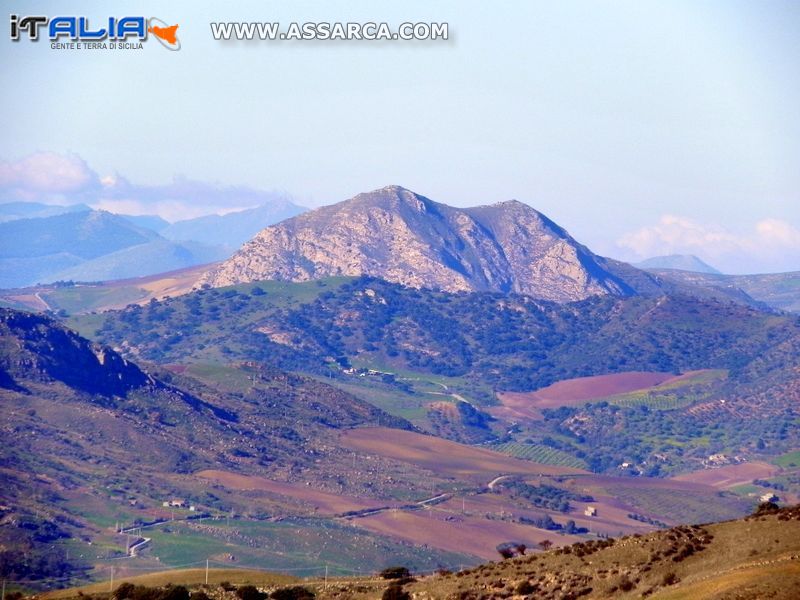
column 89, row 245
column 34, row 249
column 232, row 229
column 86, row 235
column 11, row 211
column 679, row 262
column 777, row 290
column 403, row 237
column 152, row 222
column 157, row 256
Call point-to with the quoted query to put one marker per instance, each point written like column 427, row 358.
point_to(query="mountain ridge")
column 407, row 238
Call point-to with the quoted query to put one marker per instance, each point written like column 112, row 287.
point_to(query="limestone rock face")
column 400, row 236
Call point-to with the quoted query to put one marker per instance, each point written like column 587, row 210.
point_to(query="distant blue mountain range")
column 41, row 243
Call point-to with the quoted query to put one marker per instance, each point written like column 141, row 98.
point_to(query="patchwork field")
column 442, row 456
column 661, row 391
column 322, row 503
column 730, row 475
column 458, row 533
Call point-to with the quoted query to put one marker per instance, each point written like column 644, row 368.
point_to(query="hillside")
column 11, row 211
column 400, row 236
column 232, row 229
column 89, row 245
column 679, row 262
column 752, row 558
column 778, row 290
column 94, row 438
column 439, row 359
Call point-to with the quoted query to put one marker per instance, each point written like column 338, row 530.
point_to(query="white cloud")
column 67, row 179
column 771, row 245
column 46, row 176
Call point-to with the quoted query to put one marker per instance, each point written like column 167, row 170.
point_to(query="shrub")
column 250, row 592
column 297, row 592
column 177, row 592
column 766, row 508
column 395, row 592
column 626, row 585
column 395, row 573
column 525, row 587
column 125, row 590
column 670, row 579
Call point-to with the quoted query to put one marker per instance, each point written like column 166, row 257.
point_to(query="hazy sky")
column 642, row 127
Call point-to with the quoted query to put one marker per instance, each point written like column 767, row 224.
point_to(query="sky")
column 643, row 127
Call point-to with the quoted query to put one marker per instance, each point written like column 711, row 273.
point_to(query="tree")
column 395, row 592
column 506, row 552
column 545, row 545
column 395, row 573
column 125, row 590
column 250, row 592
column 297, row 592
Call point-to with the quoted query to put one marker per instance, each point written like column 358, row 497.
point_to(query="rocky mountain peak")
column 401, row 236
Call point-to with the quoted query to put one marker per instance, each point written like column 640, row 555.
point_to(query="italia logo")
column 78, row 29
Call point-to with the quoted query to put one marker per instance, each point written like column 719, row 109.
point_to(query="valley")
column 351, row 423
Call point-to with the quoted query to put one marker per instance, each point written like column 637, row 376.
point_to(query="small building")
column 174, row 503
column 590, row 511
column 769, row 498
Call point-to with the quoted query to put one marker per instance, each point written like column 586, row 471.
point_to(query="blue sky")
column 642, row 127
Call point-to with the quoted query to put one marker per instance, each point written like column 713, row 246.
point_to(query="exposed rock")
column 406, row 238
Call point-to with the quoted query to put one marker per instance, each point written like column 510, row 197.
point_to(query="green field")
column 300, row 547
column 788, row 460
column 540, row 453
column 84, row 298
column 394, row 402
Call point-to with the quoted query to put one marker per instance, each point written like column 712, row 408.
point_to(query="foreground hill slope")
column 757, row 557
column 753, row 558
column 403, row 237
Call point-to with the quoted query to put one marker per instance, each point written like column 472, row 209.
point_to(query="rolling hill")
column 439, row 360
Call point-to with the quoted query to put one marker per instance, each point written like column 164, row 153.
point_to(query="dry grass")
column 187, row 577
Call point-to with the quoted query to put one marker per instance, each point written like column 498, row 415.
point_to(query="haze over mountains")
column 41, row 243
